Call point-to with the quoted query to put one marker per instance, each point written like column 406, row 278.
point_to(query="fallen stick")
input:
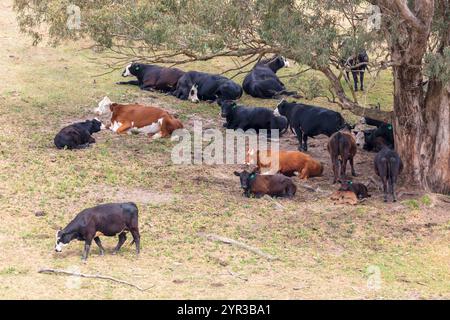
column 214, row 237
column 94, row 276
column 237, row 275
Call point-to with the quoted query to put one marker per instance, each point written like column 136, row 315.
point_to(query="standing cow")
column 342, row 148
column 310, row 121
column 357, row 65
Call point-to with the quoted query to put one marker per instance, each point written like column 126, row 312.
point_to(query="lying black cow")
column 310, row 121
column 106, row 219
column 77, row 135
column 262, row 81
column 358, row 66
column 375, row 139
column 388, row 167
column 245, row 118
column 258, row 185
column 152, row 77
column 196, row 86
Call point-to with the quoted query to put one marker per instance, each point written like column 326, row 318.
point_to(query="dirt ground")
column 373, row 250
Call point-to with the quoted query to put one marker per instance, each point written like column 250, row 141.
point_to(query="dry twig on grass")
column 214, row 237
column 94, row 276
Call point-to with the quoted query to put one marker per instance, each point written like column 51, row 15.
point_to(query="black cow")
column 107, row 219
column 388, row 167
column 196, row 86
column 357, row 65
column 246, row 118
column 152, row 77
column 374, row 140
column 258, row 185
column 310, row 121
column 262, row 81
column 77, row 135
column 372, row 122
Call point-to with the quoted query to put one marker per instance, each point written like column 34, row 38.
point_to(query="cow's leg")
column 137, row 239
column 305, row 142
column 355, row 79
column 122, row 239
column 99, row 244
column 124, row 127
column 299, row 134
column 87, row 247
column 361, row 78
column 385, row 187
column 344, row 167
column 352, row 167
column 335, row 163
column 132, row 82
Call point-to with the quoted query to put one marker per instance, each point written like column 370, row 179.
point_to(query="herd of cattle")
column 262, row 82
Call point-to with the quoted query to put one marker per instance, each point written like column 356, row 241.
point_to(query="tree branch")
column 406, row 13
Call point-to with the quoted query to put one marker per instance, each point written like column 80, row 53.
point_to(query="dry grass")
column 324, row 250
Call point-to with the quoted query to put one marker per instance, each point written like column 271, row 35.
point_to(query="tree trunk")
column 422, row 129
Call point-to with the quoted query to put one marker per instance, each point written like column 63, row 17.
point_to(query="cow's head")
column 359, row 138
column 96, row 125
column 245, row 177
column 133, row 69
column 62, row 240
column 346, row 185
column 103, row 106
column 281, row 108
column 193, row 94
column 226, row 107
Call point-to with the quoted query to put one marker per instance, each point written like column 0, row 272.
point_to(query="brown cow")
column 126, row 118
column 258, row 185
column 342, row 148
column 289, row 163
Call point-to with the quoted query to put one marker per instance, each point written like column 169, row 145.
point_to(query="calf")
column 195, row 86
column 245, row 118
column 388, row 166
column 359, row 189
column 375, row 139
column 106, row 219
column 344, row 197
column 288, row 163
column 152, row 77
column 153, row 121
column 310, row 121
column 262, row 81
column 77, row 135
column 342, row 148
column 258, row 185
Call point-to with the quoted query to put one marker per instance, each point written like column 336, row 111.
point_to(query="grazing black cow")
column 196, row 86
column 388, row 166
column 107, row 219
column 245, row 118
column 358, row 66
column 342, row 148
column 152, row 77
column 310, row 121
column 359, row 189
column 257, row 185
column 262, row 81
column 77, row 135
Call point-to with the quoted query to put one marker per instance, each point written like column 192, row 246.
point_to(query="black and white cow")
column 78, row 135
column 152, row 77
column 107, row 219
column 262, row 81
column 358, row 65
column 310, row 121
column 256, row 118
column 199, row 86
column 375, row 139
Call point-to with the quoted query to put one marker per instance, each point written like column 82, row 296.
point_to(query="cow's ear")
column 237, row 173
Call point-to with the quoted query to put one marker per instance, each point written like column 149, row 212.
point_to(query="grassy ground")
column 372, row 250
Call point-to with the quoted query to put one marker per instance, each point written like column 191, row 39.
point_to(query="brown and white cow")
column 126, row 118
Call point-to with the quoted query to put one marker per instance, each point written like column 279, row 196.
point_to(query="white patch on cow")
column 193, row 94
column 286, row 62
column 115, row 126
column 360, row 139
column 157, row 136
column 126, row 72
column 59, row 245
column 103, row 106
column 276, row 112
